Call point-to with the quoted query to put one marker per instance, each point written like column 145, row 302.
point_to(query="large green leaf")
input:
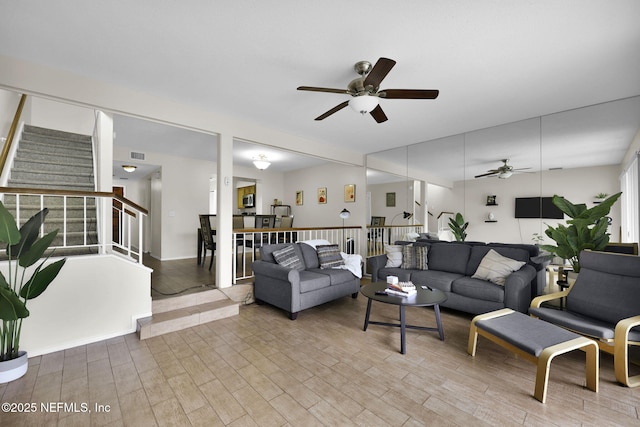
column 567, row 207
column 29, row 233
column 9, row 232
column 11, row 307
column 41, row 279
column 36, row 251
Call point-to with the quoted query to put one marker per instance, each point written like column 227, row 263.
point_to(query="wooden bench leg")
column 547, row 355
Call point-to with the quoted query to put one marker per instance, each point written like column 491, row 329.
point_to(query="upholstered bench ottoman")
column 536, row 341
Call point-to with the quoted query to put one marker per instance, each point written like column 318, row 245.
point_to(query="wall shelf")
column 491, row 220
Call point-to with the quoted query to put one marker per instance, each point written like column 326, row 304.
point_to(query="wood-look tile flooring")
column 262, row 369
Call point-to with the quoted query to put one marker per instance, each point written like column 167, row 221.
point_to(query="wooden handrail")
column 12, row 131
column 73, row 193
column 268, row 230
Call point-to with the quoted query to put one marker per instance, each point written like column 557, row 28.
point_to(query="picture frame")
column 299, row 198
column 391, row 199
column 491, row 200
column 350, row 193
column 322, row 195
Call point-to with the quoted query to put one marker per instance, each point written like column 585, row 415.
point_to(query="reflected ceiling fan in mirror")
column 504, row 171
column 366, row 93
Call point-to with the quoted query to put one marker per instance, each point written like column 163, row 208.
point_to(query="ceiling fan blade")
column 410, row 93
column 379, row 72
column 493, row 172
column 333, row 110
column 378, row 114
column 323, row 89
column 519, row 169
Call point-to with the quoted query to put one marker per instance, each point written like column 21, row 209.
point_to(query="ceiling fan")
column 366, row 93
column 504, row 171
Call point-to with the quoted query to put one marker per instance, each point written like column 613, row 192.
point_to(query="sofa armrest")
column 276, row 271
column 517, row 289
column 376, row 263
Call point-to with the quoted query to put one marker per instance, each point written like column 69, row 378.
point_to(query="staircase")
column 52, row 159
column 177, row 313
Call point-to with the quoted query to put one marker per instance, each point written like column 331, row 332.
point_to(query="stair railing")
column 129, row 216
column 4, row 155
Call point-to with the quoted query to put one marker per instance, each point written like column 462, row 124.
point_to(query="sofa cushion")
column 394, row 255
column 436, row 279
column 449, row 257
column 309, row 255
column 478, row 289
column 496, row 268
column 329, row 256
column 312, row 281
column 337, row 276
column 288, row 258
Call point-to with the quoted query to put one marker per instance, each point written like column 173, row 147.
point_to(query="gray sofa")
column 294, row 289
column 450, row 267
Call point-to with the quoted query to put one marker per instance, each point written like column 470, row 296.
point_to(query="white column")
column 224, row 234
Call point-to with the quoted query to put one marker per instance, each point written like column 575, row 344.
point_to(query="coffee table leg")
column 366, row 317
column 436, row 308
column 403, row 344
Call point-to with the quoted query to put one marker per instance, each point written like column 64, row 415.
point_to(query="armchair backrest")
column 205, row 230
column 265, row 221
column 607, row 288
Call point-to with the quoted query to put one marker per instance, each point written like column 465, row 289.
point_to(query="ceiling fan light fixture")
column 505, row 174
column 129, row 168
column 364, row 104
column 261, row 162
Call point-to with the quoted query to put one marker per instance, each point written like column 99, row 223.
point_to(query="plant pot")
column 15, row 368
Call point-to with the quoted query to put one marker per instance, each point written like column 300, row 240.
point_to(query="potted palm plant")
column 458, row 227
column 24, row 250
column 587, row 229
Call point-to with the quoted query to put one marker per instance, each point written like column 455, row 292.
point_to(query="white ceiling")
column 494, row 62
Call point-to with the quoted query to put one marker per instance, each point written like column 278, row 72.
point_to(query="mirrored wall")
column 496, row 176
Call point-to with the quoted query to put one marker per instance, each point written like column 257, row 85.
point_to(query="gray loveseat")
column 450, row 267
column 296, row 289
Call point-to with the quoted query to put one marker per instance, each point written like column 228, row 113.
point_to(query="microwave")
column 247, row 200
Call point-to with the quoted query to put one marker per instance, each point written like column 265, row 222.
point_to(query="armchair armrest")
column 537, row 301
column 621, row 351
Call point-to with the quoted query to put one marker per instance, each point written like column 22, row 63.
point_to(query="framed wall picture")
column 322, row 195
column 350, row 193
column 391, row 199
column 299, row 198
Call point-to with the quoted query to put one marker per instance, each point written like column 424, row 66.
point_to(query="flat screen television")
column 537, row 207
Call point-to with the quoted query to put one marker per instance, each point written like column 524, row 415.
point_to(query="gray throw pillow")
column 329, row 256
column 288, row 258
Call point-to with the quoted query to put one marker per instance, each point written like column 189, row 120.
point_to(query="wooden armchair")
column 602, row 304
column 207, row 238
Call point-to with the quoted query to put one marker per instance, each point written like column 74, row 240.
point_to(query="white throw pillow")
column 495, row 268
column 394, row 255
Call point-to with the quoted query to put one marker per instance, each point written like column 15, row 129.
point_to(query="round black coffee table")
column 423, row 298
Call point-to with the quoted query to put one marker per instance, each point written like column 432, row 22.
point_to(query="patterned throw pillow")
column 415, row 257
column 422, row 261
column 288, row 258
column 394, row 255
column 408, row 257
column 329, row 256
column 495, row 268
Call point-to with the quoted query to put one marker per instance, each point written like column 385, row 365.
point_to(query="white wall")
column 92, row 299
column 8, row 103
column 334, row 177
column 60, row 116
column 469, row 197
column 403, row 203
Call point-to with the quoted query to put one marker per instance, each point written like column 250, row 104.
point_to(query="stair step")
column 50, row 165
column 61, row 149
column 54, row 186
column 56, row 134
column 182, row 301
column 183, row 318
column 25, row 153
